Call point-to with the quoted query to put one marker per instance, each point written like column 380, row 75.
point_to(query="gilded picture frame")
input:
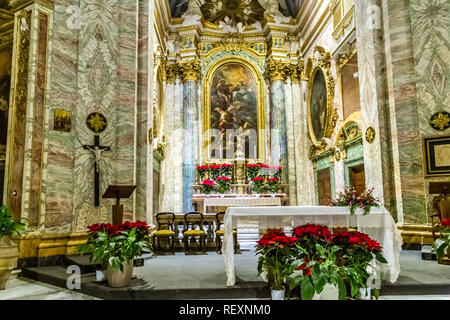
column 437, row 156
column 260, row 105
column 321, row 86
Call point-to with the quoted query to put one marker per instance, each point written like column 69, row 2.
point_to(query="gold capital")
column 277, row 70
column 189, row 70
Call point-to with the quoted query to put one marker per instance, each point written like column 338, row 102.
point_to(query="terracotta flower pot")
column 117, row 278
column 9, row 254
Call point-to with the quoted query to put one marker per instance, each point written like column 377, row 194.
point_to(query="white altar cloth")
column 241, row 202
column 378, row 224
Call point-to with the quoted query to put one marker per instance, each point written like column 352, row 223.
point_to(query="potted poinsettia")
column 276, row 171
column 202, row 172
column 442, row 244
column 273, row 185
column 350, row 198
column 208, row 186
column 115, row 247
column 357, row 257
column 308, row 237
column 214, row 170
column 253, row 170
column 258, row 185
column 226, row 170
column 224, row 184
column 277, row 253
column 9, row 253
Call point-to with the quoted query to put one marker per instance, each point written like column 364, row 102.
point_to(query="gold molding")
column 277, row 70
column 254, row 69
column 321, row 61
column 189, row 70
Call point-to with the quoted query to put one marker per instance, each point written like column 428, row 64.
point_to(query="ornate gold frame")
column 207, row 104
column 321, row 60
column 329, row 126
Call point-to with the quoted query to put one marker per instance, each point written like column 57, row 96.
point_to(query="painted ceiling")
column 247, row 11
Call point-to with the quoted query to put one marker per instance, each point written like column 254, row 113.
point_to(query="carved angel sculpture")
column 194, row 7
column 271, row 7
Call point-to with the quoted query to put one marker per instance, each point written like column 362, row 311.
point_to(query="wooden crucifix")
column 97, row 149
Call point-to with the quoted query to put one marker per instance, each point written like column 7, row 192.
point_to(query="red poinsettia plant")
column 309, row 236
column 202, row 171
column 258, row 184
column 224, row 184
column 115, row 245
column 214, row 170
column 277, row 253
column 208, row 186
column 254, row 170
column 226, row 169
column 275, row 171
column 273, row 184
column 350, row 198
column 442, row 244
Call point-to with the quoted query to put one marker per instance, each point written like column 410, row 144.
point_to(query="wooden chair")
column 220, row 233
column 442, row 206
column 193, row 227
column 165, row 222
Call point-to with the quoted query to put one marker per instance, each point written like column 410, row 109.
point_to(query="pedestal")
column 117, row 214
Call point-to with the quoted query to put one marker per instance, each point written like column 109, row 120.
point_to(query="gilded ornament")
column 189, row 70
column 370, row 135
column 96, row 122
column 440, row 121
column 277, row 70
column 337, row 155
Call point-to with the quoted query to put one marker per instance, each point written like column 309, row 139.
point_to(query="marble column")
column 190, row 141
column 177, row 149
column 27, row 143
column 291, row 170
column 371, row 64
column 304, row 167
column 190, row 72
column 279, row 154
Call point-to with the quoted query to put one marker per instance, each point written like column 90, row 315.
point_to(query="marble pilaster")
column 177, row 150
column 279, row 153
column 377, row 155
column 290, row 143
column 190, row 140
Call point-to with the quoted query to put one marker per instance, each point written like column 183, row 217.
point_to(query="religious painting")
column 233, row 102
column 437, row 155
column 5, row 85
column 318, row 108
column 62, row 120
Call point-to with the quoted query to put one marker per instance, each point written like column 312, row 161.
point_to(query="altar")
column 379, row 225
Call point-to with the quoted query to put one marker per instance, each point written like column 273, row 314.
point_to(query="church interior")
column 140, row 111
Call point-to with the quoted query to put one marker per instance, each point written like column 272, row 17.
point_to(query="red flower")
column 276, row 239
column 445, row 223
column 208, row 182
column 226, row 165
column 258, row 179
column 356, row 238
column 273, row 180
column 275, row 168
column 201, row 168
column 223, row 178
column 214, row 166
column 315, row 231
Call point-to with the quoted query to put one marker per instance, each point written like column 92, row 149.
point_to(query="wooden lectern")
column 118, row 192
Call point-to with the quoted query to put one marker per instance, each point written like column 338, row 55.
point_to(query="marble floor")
column 27, row 289
column 169, row 272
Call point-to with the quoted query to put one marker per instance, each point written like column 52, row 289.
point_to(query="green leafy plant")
column 8, row 226
column 277, row 253
column 224, row 184
column 273, row 184
column 258, row 184
column 350, row 198
column 442, row 244
column 116, row 245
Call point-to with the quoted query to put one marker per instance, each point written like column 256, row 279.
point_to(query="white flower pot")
column 366, row 294
column 117, row 278
column 329, row 292
column 278, row 294
column 273, row 195
column 222, row 195
column 258, row 195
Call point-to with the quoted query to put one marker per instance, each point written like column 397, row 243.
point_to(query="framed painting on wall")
column 437, row 156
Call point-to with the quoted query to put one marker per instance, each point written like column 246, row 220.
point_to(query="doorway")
column 324, row 187
column 358, row 178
